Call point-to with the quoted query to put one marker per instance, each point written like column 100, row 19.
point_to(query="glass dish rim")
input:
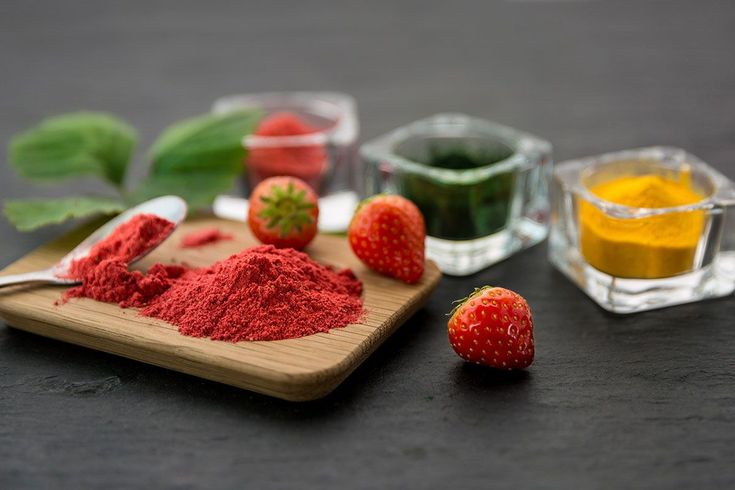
column 338, row 107
column 723, row 193
column 523, row 145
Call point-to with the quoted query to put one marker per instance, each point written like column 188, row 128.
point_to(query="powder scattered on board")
column 204, row 236
column 125, row 243
column 262, row 293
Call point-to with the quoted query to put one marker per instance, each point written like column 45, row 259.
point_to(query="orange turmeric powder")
column 643, row 248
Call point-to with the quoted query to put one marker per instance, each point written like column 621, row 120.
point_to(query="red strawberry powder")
column 307, row 162
column 111, row 281
column 205, row 236
column 126, row 242
column 261, row 293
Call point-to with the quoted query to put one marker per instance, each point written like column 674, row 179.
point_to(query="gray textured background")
column 646, row 401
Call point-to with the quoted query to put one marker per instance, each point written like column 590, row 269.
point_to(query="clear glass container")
column 598, row 244
column 325, row 157
column 482, row 187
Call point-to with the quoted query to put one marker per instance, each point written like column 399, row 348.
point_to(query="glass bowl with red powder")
column 309, row 135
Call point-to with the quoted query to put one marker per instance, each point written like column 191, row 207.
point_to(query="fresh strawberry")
column 283, row 212
column 387, row 233
column 494, row 327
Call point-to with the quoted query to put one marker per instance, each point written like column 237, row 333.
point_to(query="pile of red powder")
column 111, row 281
column 262, row 293
column 127, row 242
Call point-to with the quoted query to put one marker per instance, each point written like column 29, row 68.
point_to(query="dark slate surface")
column 646, row 401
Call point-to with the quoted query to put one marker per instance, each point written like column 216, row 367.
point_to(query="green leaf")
column 199, row 158
column 209, row 143
column 198, row 189
column 72, row 145
column 29, row 214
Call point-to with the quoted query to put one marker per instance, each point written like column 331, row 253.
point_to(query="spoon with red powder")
column 129, row 237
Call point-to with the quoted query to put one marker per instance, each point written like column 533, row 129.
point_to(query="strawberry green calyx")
column 283, row 212
column 286, row 209
column 459, row 302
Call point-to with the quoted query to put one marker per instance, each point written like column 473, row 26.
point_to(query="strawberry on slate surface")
column 283, row 212
column 387, row 233
column 494, row 327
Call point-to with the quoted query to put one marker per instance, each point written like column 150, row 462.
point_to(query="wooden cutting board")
column 295, row 369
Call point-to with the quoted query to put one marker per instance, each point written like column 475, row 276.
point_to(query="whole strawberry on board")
column 388, row 233
column 494, row 327
column 283, row 212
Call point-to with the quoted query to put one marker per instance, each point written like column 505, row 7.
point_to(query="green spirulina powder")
column 464, row 211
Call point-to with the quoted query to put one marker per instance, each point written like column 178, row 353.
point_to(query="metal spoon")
column 172, row 208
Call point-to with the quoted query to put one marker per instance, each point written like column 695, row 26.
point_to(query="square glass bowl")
column 325, row 158
column 689, row 256
column 482, row 187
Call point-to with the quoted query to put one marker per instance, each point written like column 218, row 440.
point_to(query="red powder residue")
column 128, row 241
column 262, row 293
column 204, row 236
column 307, row 162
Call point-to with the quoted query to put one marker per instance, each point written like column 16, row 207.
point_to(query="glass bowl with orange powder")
column 644, row 229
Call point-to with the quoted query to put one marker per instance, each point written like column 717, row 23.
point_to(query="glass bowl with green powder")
column 482, row 187
column 643, row 229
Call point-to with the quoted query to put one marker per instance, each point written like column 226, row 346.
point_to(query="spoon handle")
column 37, row 276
